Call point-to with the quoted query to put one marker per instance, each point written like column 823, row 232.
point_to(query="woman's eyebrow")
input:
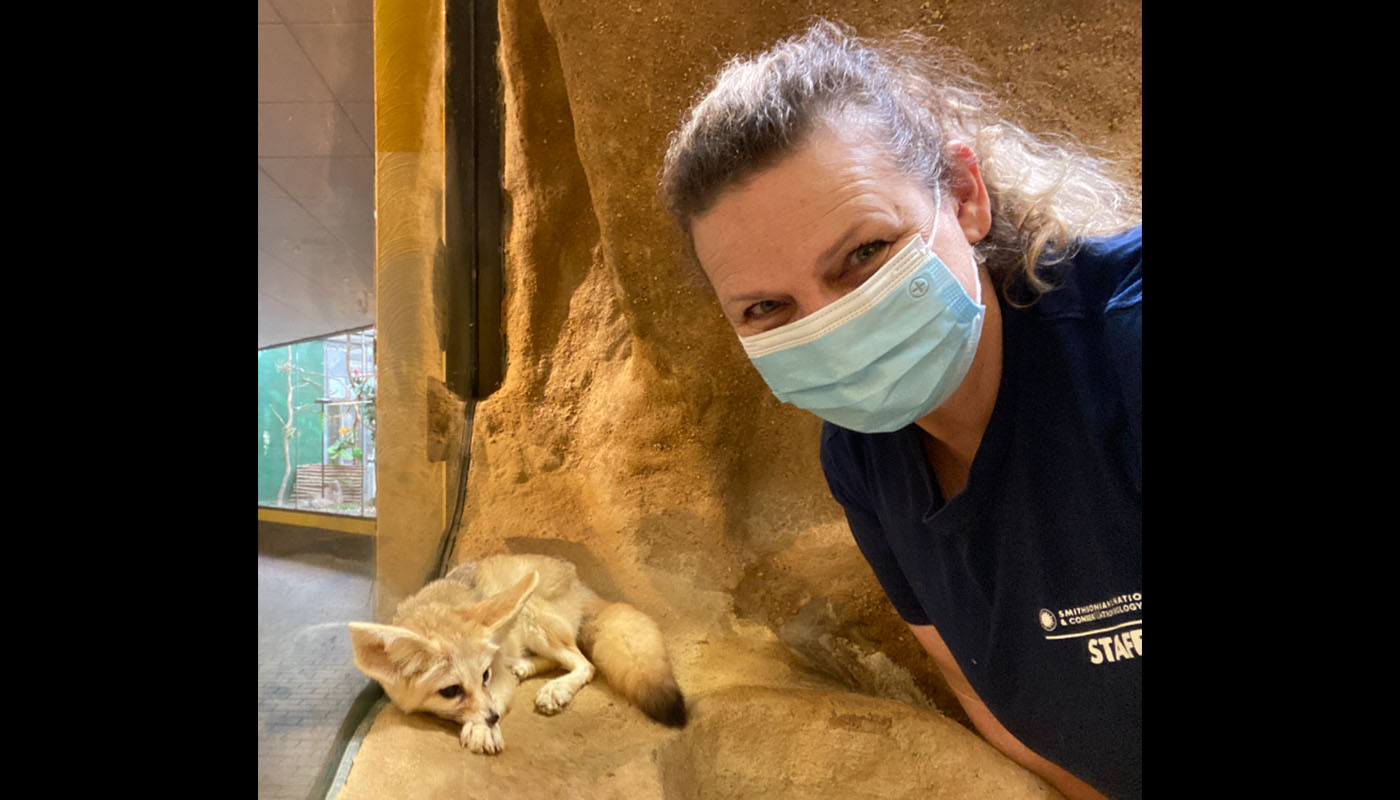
column 747, row 296
column 840, row 244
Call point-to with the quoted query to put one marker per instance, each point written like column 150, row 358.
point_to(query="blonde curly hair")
column 915, row 95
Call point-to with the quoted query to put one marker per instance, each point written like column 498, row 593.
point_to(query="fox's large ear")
column 498, row 612
column 387, row 653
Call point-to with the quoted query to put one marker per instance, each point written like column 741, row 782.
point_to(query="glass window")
column 316, row 425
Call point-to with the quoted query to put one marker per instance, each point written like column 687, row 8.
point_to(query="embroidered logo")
column 1111, row 630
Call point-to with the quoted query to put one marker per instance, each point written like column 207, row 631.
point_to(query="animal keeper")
column 961, row 302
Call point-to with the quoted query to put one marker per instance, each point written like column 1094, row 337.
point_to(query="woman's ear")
column 970, row 193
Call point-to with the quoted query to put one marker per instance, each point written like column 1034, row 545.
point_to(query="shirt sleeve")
column 869, row 534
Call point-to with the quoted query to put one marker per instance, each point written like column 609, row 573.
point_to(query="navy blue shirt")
column 1032, row 575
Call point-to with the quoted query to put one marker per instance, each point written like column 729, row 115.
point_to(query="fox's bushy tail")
column 626, row 647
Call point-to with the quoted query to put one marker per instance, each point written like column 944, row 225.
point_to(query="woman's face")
column 806, row 231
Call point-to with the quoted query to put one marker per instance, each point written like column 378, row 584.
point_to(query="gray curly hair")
column 915, row 95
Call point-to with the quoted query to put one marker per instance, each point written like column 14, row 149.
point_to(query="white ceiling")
column 315, row 168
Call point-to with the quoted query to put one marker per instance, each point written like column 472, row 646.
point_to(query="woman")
column 961, row 303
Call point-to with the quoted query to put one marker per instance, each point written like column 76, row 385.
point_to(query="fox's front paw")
column 553, row 697
column 482, row 738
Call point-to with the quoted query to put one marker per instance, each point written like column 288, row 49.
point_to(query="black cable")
column 448, row 534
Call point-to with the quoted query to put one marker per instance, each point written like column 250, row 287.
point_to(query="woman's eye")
column 761, row 308
column 486, row 676
column 866, row 252
column 451, row 691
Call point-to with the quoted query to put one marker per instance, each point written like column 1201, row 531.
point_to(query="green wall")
column 272, row 393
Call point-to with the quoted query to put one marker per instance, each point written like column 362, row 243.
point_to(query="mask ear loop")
column 977, row 259
column 937, row 216
column 976, row 269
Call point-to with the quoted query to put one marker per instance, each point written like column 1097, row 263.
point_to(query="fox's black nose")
column 491, row 720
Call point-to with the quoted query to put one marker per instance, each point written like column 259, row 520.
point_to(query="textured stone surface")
column 750, row 742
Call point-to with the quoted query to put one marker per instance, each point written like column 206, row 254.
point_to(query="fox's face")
column 442, row 660
column 463, row 695
column 449, row 679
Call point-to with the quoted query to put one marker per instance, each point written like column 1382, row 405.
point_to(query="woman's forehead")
column 831, row 155
column 807, row 200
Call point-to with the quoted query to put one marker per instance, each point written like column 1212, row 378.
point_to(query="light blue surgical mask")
column 882, row 356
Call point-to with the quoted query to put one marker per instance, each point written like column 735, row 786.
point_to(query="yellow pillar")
column 409, row 150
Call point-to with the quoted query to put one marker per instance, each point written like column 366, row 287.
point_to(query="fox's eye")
column 486, row 676
column 451, row 691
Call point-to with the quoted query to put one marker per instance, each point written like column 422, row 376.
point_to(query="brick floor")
column 310, row 583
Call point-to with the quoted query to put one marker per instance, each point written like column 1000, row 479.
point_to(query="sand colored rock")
column 632, row 437
column 750, row 742
column 742, row 743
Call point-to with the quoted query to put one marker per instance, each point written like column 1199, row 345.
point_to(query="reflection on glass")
column 316, row 425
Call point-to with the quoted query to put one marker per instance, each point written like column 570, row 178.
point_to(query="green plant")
column 345, row 445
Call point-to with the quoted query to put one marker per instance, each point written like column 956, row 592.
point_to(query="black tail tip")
column 667, row 707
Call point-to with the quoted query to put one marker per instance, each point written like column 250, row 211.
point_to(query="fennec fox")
column 459, row 646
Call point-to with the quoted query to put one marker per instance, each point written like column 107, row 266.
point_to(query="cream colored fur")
column 483, row 628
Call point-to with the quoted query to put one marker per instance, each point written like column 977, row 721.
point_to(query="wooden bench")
column 327, row 484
